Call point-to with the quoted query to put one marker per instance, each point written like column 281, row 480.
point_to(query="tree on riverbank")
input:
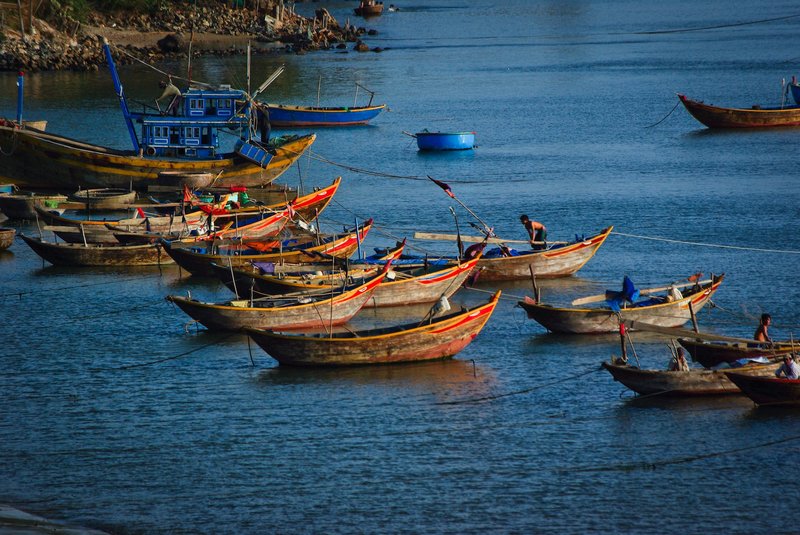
column 67, row 34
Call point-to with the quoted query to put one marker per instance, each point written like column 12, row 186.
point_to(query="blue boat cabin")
column 193, row 133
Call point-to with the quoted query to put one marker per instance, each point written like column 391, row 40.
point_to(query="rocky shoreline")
column 212, row 29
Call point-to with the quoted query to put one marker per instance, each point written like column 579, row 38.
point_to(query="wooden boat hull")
column 105, row 198
column 321, row 313
column 425, row 288
column 434, row 141
column 21, row 206
column 767, row 390
column 440, row 338
column 718, row 117
column 44, row 160
column 6, row 237
column 369, row 10
column 694, row 382
column 196, row 258
column 73, row 254
column 558, row 261
column 293, row 116
column 604, row 320
column 710, row 354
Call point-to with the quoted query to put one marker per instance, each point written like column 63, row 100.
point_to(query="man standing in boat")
column 537, row 232
column 762, row 333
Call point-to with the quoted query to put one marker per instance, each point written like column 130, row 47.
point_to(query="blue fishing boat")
column 445, row 140
column 283, row 116
column 182, row 138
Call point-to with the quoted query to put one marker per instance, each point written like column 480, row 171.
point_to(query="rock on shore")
column 213, row 29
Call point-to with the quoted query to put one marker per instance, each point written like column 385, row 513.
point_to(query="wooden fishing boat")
column 6, row 237
column 444, row 141
column 296, row 311
column 755, row 117
column 260, row 280
column 767, row 390
column 78, row 254
column 196, row 258
column 695, row 382
column 187, row 142
column 83, row 234
column 430, row 339
column 712, row 353
column 369, row 8
column 669, row 310
column 558, row 260
column 23, row 205
column 288, row 116
column 104, row 198
column 401, row 287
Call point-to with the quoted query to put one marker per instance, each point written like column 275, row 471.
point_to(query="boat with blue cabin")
column 184, row 141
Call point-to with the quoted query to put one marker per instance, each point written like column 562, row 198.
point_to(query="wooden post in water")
column 533, row 281
column 694, row 318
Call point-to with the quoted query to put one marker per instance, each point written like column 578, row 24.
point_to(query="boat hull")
column 718, row 117
column 559, row 261
column 442, row 338
column 41, row 160
column 6, row 237
column 265, row 314
column 443, row 141
column 710, row 354
column 21, row 206
column 94, row 255
column 604, row 320
column 680, row 383
column 294, row 116
column 767, row 390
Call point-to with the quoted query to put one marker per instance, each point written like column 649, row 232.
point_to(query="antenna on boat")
column 268, row 81
column 248, row 67
column 319, row 89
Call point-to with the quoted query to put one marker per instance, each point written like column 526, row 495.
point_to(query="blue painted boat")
column 795, row 87
column 290, row 116
column 445, row 140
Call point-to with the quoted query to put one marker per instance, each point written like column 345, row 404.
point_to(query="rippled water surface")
column 114, row 416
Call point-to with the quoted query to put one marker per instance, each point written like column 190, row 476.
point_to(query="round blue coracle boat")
column 445, row 140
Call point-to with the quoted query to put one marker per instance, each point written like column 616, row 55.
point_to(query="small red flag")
column 140, row 212
column 444, row 186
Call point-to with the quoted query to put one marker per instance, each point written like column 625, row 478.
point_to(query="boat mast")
column 123, row 104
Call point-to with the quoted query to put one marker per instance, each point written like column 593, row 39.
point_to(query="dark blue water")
column 113, row 416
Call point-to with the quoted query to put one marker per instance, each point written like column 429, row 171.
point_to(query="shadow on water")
column 434, row 375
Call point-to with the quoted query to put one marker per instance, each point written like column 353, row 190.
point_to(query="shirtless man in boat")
column 762, row 333
column 536, row 231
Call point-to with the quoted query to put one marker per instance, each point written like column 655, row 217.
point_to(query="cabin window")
column 174, row 135
column 224, row 107
column 192, row 135
column 197, row 106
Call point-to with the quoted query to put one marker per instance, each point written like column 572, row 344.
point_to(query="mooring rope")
column 665, row 117
column 174, row 357
column 518, row 392
column 62, row 288
column 716, row 27
column 628, row 467
column 703, row 244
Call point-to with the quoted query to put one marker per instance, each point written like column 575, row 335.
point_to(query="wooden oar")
column 686, row 333
column 647, row 291
column 475, row 239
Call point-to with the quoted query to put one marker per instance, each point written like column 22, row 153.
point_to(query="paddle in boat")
column 667, row 306
column 291, row 311
column 754, row 117
column 431, row 338
column 183, row 138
